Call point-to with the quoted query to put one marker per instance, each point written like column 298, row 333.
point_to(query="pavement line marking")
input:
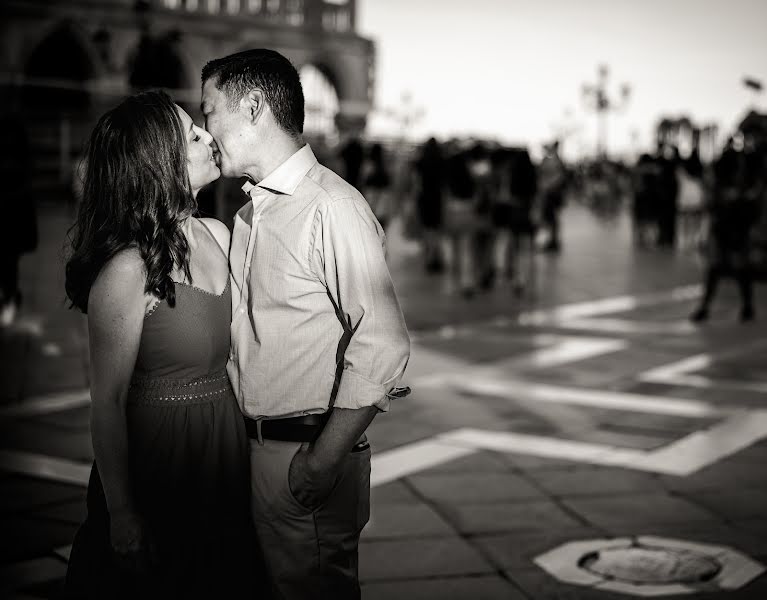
column 702, row 448
column 399, row 462
column 30, row 572
column 671, row 370
column 609, row 305
column 679, row 373
column 623, row 401
column 537, row 445
column 627, row 326
column 561, row 350
column 52, row 468
column 43, row 405
column 558, row 315
column 566, row 350
column 681, row 458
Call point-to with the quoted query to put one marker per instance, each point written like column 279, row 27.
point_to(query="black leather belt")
column 306, row 428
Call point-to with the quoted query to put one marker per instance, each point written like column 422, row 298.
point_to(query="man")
column 553, row 182
column 318, row 338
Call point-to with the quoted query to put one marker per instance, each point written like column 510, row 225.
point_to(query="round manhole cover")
column 651, row 565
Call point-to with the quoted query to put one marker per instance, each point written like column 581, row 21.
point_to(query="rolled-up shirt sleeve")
column 348, row 257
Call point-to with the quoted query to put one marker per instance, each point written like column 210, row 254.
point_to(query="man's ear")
column 254, row 105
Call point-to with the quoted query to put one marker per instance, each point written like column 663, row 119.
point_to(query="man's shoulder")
column 327, row 187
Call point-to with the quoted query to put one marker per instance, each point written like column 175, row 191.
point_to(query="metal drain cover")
column 647, row 564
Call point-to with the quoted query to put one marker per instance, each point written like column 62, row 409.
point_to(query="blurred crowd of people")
column 477, row 209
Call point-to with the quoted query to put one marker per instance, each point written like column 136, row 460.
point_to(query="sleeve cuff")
column 356, row 392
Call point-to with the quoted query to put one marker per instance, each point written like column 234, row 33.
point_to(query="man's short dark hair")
column 237, row 74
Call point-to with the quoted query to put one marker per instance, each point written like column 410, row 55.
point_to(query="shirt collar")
column 285, row 178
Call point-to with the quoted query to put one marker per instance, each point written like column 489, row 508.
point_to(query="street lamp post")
column 597, row 99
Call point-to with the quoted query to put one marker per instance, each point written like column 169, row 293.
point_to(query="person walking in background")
column 667, row 160
column 430, row 169
column 318, row 338
column 352, row 157
column 689, row 175
column 483, row 243
column 739, row 188
column 553, row 184
column 168, row 513
column 645, row 183
column 377, row 185
column 19, row 212
column 523, row 188
column 461, row 221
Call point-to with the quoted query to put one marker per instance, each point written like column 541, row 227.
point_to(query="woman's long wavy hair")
column 136, row 194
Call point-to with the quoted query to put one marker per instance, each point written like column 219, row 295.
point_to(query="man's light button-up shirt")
column 310, row 284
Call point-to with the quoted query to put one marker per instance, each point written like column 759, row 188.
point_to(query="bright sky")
column 513, row 70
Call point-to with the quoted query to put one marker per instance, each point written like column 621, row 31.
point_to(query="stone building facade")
column 63, row 62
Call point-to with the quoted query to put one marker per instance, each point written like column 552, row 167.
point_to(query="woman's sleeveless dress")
column 189, row 466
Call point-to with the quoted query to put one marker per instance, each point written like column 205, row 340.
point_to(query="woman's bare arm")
column 116, row 309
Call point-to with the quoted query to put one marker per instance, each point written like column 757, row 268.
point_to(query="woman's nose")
column 206, row 137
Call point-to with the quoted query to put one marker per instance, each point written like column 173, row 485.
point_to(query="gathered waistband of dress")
column 158, row 390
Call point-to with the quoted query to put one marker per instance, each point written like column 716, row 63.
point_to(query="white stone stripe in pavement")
column 705, row 447
column 565, row 350
column 29, row 572
column 42, row 405
column 678, row 373
column 628, row 326
column 614, row 304
column 33, row 571
column 681, row 458
column 52, row 468
column 623, row 401
column 418, row 456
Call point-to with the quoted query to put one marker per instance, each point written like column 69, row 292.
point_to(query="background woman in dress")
column 168, row 498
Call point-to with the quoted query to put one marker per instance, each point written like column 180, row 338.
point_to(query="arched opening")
column 321, row 102
column 56, row 73
column 156, row 64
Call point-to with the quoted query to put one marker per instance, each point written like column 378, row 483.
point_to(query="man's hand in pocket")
column 311, row 480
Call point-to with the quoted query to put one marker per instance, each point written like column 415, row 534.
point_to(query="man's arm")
column 349, row 258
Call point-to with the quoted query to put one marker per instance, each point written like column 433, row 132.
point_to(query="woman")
column 168, row 498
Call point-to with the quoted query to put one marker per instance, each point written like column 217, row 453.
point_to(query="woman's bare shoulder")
column 219, row 230
column 121, row 280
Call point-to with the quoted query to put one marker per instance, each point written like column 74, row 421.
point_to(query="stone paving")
column 471, row 527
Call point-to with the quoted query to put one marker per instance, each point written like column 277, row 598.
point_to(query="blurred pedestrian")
column 430, row 169
column 645, row 184
column 352, row 156
column 739, row 188
column 168, row 496
column 691, row 209
column 462, row 220
column 552, row 186
column 20, row 235
column 377, row 185
column 667, row 160
column 483, row 245
column 523, row 189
